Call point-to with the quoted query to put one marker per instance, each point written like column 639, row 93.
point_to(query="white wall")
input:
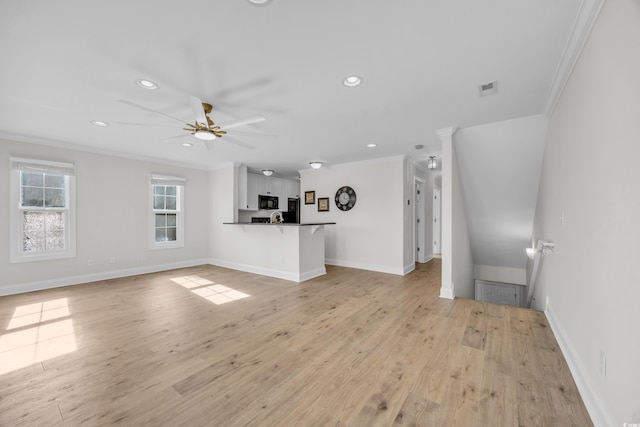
column 591, row 178
column 223, row 208
column 112, row 220
column 369, row 236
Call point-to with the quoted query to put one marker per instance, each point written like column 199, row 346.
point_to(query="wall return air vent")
column 490, row 88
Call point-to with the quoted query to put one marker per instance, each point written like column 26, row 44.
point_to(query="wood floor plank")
column 349, row 348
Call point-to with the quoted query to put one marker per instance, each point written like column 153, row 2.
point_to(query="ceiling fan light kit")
column 204, row 135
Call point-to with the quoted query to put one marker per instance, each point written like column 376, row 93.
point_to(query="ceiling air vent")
column 490, row 88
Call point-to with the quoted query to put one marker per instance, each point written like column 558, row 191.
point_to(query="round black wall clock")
column 345, row 198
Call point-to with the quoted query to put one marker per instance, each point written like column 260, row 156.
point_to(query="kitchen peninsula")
column 286, row 250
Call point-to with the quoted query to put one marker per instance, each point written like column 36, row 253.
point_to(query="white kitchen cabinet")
column 251, row 185
column 242, row 187
column 247, row 189
column 252, row 191
column 270, row 186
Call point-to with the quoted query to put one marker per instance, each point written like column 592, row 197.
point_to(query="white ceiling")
column 67, row 62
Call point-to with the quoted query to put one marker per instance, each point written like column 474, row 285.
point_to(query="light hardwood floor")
column 351, row 348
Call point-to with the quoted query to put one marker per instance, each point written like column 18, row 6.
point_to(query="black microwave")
column 267, row 202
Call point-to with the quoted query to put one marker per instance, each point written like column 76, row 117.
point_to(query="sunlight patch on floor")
column 215, row 293
column 37, row 332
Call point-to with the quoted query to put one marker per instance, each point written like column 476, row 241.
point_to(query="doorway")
column 437, row 231
column 418, row 223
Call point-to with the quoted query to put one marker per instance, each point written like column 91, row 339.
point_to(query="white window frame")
column 179, row 211
column 17, row 253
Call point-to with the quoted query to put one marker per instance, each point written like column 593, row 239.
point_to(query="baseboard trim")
column 368, row 267
column 446, row 293
column 409, row 268
column 597, row 410
column 278, row 274
column 41, row 285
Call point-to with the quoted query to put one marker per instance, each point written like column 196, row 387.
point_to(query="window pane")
column 54, row 240
column 54, row 221
column 32, row 197
column 171, row 202
column 171, row 220
column 33, row 241
column 171, row 234
column 161, row 220
column 158, row 189
column 33, row 221
column 171, row 190
column 54, row 181
column 30, row 179
column 161, row 235
column 54, row 198
column 158, row 202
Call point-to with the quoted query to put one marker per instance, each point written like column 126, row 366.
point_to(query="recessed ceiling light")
column 187, row 144
column 259, row 2
column 99, row 123
column 372, row 145
column 352, row 81
column 146, row 84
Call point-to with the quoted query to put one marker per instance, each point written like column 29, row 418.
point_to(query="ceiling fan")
column 204, row 127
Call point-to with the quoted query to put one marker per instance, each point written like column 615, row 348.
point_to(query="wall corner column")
column 446, row 200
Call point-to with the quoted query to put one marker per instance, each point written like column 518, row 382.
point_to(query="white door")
column 418, row 224
column 436, row 221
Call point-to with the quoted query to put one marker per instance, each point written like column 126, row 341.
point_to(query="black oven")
column 267, row 202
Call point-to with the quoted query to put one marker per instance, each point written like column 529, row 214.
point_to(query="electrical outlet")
column 90, row 262
column 603, row 364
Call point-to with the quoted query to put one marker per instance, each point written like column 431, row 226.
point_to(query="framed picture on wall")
column 309, row 197
column 323, row 204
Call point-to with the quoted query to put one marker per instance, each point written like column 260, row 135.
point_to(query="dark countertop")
column 286, row 224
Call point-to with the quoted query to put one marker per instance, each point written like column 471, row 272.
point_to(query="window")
column 167, row 212
column 42, row 210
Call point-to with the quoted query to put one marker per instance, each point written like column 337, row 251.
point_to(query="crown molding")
column 582, row 25
column 50, row 142
column 446, row 132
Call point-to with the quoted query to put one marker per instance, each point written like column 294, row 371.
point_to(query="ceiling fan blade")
column 176, row 137
column 244, row 132
column 247, row 121
column 198, row 110
column 240, row 143
column 151, row 110
column 145, row 125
